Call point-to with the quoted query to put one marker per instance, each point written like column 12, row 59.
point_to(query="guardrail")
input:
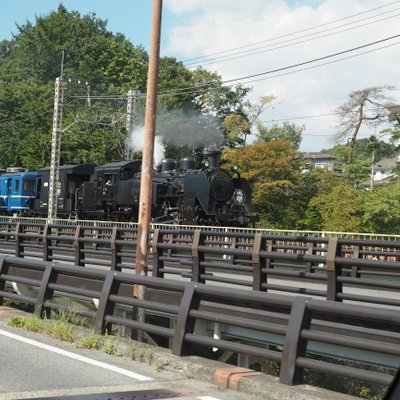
column 290, row 328
column 268, row 231
column 336, row 269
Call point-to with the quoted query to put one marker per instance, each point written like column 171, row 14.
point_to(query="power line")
column 313, row 60
column 323, row 64
column 287, row 43
column 292, row 33
column 207, row 28
column 216, row 86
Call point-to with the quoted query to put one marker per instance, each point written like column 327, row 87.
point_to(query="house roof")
column 319, row 156
column 386, row 163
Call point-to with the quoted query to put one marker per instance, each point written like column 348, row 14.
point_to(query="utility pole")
column 372, row 169
column 130, row 112
column 148, row 149
column 55, row 150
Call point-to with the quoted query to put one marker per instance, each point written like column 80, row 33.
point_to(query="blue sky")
column 269, row 34
column 131, row 17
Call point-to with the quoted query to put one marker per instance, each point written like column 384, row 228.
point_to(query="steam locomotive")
column 182, row 194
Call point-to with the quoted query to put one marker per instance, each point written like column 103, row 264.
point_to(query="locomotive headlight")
column 234, row 167
column 206, row 163
column 239, row 197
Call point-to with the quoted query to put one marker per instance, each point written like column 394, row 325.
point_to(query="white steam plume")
column 136, row 141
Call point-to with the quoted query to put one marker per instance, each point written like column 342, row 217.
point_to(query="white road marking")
column 84, row 359
column 207, row 398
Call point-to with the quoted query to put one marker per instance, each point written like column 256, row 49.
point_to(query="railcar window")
column 17, row 186
column 109, row 179
column 29, row 186
column 126, row 174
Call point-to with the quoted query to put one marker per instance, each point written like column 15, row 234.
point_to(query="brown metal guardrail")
column 310, row 266
column 290, row 328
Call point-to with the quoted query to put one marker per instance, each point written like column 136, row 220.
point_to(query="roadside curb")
column 251, row 383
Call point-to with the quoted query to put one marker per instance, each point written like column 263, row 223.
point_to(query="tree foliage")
column 288, row 131
column 105, row 64
column 355, row 112
column 340, row 210
column 382, row 210
column 273, row 169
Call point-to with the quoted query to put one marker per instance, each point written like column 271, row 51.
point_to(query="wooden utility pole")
column 148, row 149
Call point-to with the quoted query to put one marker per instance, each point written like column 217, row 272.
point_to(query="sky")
column 253, row 38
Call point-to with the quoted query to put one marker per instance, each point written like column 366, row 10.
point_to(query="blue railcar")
column 17, row 191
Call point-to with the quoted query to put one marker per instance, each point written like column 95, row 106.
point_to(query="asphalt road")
column 36, row 366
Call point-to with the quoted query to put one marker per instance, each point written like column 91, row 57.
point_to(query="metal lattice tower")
column 55, row 150
column 130, row 112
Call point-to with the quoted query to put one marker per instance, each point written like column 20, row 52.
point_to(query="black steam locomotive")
column 180, row 195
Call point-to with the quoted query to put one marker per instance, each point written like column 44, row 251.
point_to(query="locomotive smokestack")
column 210, row 155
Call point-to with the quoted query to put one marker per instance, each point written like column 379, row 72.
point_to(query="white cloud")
column 207, row 27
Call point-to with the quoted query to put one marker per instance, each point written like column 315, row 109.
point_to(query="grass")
column 62, row 325
column 91, row 342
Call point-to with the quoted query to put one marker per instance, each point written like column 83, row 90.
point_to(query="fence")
column 291, row 328
column 337, row 269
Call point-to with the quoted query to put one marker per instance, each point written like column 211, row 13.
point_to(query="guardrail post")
column 78, row 246
column 333, row 271
column 105, row 306
column 269, row 244
column 3, row 270
column 45, row 293
column 184, row 324
column 295, row 346
column 47, row 252
column 115, row 259
column 197, row 257
column 157, row 253
column 233, row 246
column 259, row 276
column 354, row 268
column 310, row 251
column 18, row 240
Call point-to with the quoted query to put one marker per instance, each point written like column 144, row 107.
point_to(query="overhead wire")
column 287, row 43
column 231, row 82
column 17, row 118
column 292, row 33
column 313, row 60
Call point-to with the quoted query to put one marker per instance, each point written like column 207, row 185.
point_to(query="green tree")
column 273, row 168
column 313, row 183
column 288, row 131
column 340, row 210
column 355, row 112
column 111, row 65
column 382, row 210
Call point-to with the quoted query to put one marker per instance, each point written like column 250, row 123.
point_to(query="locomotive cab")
column 112, row 191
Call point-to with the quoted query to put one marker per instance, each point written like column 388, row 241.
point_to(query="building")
column 320, row 160
column 383, row 171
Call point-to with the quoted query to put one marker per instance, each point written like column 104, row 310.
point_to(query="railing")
column 290, row 328
column 336, row 269
column 269, row 231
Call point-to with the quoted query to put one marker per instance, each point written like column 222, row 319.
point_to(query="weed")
column 92, row 342
column 60, row 330
column 111, row 348
column 69, row 316
column 17, row 322
column 160, row 366
column 149, row 355
column 34, row 324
